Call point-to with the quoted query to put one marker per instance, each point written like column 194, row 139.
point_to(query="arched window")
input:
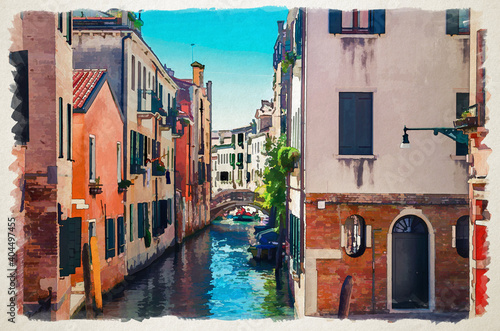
column 355, row 236
column 410, row 224
column 462, row 236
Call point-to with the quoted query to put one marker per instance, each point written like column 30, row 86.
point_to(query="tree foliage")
column 280, row 162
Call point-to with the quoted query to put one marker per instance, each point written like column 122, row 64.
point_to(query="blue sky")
column 236, row 47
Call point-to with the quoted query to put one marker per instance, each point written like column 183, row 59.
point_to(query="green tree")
column 280, row 162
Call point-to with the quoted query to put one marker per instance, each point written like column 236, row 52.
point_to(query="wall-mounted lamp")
column 451, row 133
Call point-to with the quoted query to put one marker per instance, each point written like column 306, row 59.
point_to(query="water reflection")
column 211, row 276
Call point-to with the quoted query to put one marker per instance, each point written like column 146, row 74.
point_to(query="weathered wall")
column 414, row 71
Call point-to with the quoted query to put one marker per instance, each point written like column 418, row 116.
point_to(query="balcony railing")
column 148, row 101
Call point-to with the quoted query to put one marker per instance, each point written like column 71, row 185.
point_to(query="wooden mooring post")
column 87, row 280
column 345, row 298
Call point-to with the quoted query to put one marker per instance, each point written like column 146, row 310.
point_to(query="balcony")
column 148, row 102
column 169, row 122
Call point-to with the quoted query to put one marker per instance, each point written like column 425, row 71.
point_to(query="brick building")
column 358, row 204
column 42, row 54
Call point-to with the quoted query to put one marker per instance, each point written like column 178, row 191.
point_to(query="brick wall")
column 379, row 211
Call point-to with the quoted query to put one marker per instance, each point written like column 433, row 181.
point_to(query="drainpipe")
column 373, row 267
column 302, row 143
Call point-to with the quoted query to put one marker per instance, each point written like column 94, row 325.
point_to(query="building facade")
column 146, row 94
column 42, row 55
column 97, row 172
column 359, row 205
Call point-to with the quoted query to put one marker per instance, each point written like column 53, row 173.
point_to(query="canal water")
column 211, row 276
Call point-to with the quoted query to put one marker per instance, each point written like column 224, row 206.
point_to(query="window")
column 70, row 236
column 355, row 123
column 131, row 220
column 69, row 32
column 70, row 116
column 121, row 235
column 133, row 73
column 140, row 220
column 139, row 77
column 240, row 139
column 119, row 161
column 457, row 21
column 294, row 236
column 110, row 238
column 462, row 236
column 92, row 168
column 144, row 82
column 154, row 211
column 355, row 236
column 60, row 22
column 224, row 176
column 61, row 128
column 356, row 21
column 462, row 104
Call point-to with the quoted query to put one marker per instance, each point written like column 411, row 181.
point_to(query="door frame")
column 432, row 258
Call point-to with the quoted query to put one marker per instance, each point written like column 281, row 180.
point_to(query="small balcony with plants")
column 95, row 187
column 468, row 120
column 123, row 185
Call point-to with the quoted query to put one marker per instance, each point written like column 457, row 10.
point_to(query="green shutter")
column 452, row 21
column 140, row 220
column 110, row 238
column 462, row 104
column 121, row 235
column 70, row 238
column 378, row 21
column 335, row 21
column 131, row 220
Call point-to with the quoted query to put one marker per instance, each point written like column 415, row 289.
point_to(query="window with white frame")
column 92, row 162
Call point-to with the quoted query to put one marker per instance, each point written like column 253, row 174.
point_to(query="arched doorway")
column 410, row 263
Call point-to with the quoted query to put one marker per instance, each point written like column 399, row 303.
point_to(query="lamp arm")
column 451, row 133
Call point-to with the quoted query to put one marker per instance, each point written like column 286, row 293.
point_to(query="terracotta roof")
column 84, row 82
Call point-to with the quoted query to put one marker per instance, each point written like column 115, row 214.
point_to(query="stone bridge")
column 230, row 199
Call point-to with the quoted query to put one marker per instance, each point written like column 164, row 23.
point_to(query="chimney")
column 198, row 69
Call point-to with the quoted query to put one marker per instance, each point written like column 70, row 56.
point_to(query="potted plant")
column 468, row 119
column 123, row 185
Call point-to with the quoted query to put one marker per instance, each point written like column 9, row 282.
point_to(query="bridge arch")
column 230, row 199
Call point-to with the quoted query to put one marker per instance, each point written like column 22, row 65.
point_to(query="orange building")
column 97, row 170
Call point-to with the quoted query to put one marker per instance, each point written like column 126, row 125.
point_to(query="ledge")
column 458, row 157
column 355, row 157
column 359, row 35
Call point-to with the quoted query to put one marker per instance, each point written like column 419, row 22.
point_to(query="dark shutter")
column 298, row 32
column 355, row 123
column 121, row 235
column 154, row 219
column 452, row 21
column 462, row 104
column 140, row 150
column 378, row 21
column 169, row 211
column 110, row 238
column 462, row 236
column 347, row 117
column 132, row 152
column 131, row 220
column 61, row 128
column 91, row 168
column 20, row 99
column 140, row 220
column 70, row 231
column 163, row 213
column 335, row 21
column 69, row 119
column 69, row 32
column 364, row 125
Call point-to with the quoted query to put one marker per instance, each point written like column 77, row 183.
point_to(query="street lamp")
column 451, row 133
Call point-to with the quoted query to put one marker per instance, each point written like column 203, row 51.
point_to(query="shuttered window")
column 139, row 80
column 110, row 238
column 69, row 26
column 131, row 220
column 121, row 234
column 140, row 220
column 356, row 21
column 294, row 237
column 119, row 161
column 132, row 86
column 462, row 236
column 70, row 236
column 92, row 161
column 462, row 104
column 61, row 128
column 154, row 211
column 69, row 119
column 355, row 123
column 457, row 21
